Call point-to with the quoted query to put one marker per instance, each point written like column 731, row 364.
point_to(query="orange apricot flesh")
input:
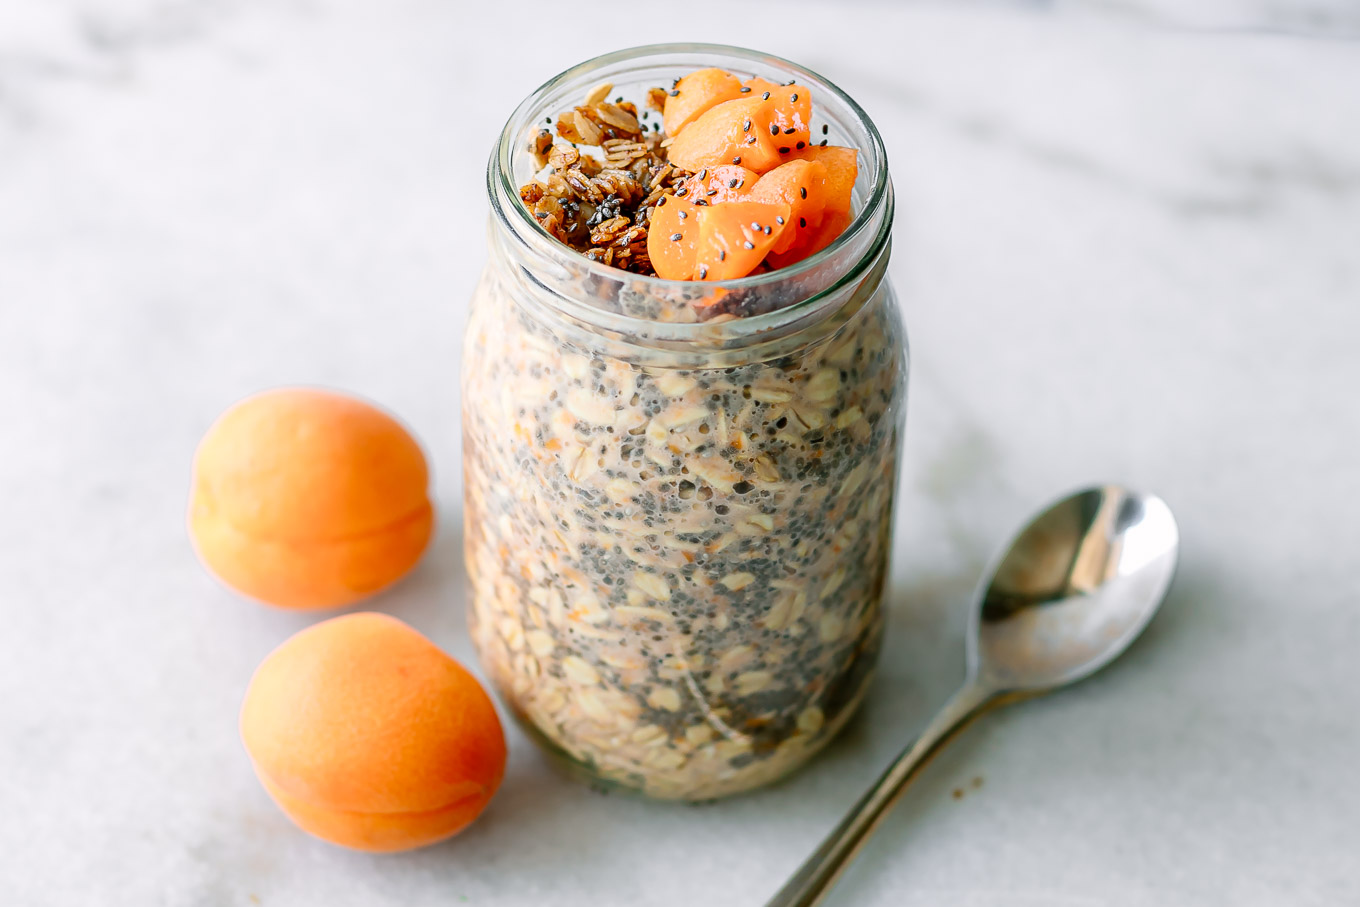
column 735, row 237
column 842, row 169
column 696, row 93
column 672, row 237
column 724, row 183
column 800, row 185
column 814, row 239
column 727, row 130
column 790, row 111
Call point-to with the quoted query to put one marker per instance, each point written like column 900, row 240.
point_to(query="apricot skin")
column 307, row 498
column 369, row 736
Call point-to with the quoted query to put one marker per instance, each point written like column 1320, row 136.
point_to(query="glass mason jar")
column 677, row 531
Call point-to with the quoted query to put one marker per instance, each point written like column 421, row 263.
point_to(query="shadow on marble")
column 432, row 599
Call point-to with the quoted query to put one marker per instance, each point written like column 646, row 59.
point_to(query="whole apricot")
column 367, row 735
column 309, row 498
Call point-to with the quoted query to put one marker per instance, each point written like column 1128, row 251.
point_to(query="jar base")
column 587, row 772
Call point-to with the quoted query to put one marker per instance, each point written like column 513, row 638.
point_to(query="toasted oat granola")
column 601, row 205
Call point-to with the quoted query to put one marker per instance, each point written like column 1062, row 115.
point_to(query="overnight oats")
column 683, row 391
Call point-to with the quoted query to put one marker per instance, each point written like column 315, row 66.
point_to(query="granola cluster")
column 601, row 207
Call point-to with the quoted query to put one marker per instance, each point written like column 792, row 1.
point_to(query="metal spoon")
column 1076, row 586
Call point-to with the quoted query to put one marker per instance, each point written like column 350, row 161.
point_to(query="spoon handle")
column 819, row 872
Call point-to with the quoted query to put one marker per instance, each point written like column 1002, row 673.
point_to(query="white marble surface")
column 1128, row 248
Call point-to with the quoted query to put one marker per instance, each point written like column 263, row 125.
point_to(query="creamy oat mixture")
column 677, row 573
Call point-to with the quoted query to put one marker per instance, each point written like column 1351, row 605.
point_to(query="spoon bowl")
column 1073, row 589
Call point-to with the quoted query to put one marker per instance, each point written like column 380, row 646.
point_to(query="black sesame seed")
column 748, row 244
column 745, row 88
column 824, row 128
column 736, row 159
column 774, row 130
column 703, row 271
column 702, row 173
column 765, row 96
column 547, row 119
column 802, row 221
column 680, row 192
column 822, row 143
column 802, row 191
column 779, row 218
column 661, row 201
column 784, row 150
column 789, row 131
column 751, row 140
column 799, row 146
column 722, row 255
column 793, row 99
column 675, row 237
column 767, row 230
column 675, row 92
column 732, row 183
column 701, row 201
column 682, row 215
column 746, row 127
column 712, row 192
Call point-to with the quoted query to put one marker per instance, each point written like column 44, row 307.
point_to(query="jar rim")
column 503, row 192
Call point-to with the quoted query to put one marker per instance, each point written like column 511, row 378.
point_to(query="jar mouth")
column 856, row 250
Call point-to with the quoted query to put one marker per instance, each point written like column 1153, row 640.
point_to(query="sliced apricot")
column 672, row 237
column 726, row 183
column 694, row 94
column 814, row 239
column 842, row 168
column 791, row 115
column 727, row 130
column 735, row 237
column 801, row 186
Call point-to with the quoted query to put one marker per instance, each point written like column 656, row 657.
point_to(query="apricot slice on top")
column 801, row 186
column 735, row 237
column 790, row 111
column 727, row 130
column 814, row 239
column 672, row 237
column 724, row 183
column 696, row 93
column 842, row 169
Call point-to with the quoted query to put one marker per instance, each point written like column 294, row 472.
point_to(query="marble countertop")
column 1128, row 248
